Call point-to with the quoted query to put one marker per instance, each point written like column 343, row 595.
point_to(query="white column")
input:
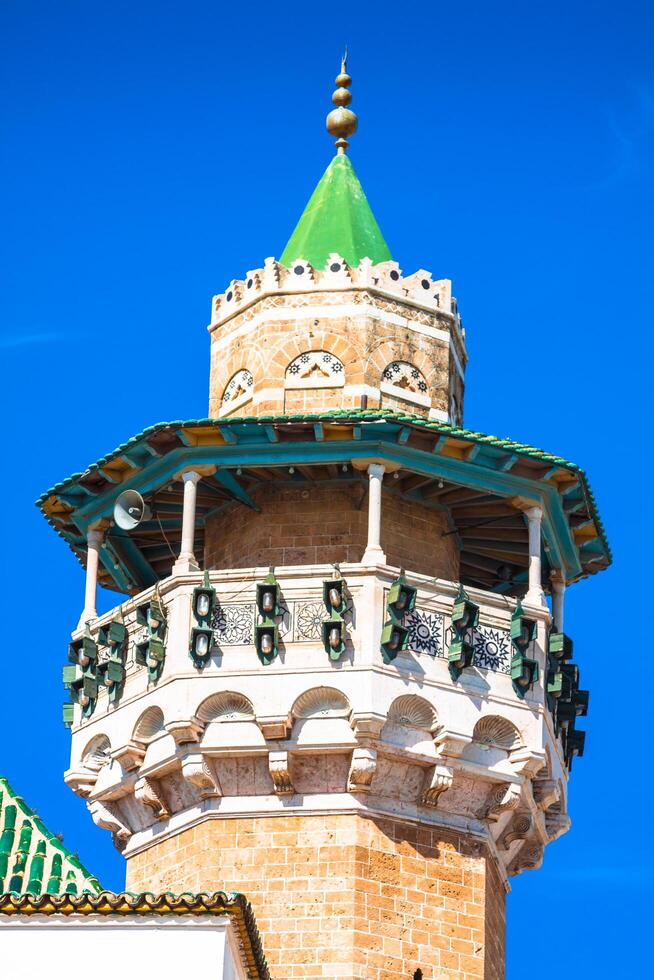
column 186, row 561
column 535, row 595
column 374, row 553
column 94, row 538
column 558, row 595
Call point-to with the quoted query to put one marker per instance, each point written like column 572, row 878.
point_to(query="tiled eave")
column 419, row 445
column 234, row 905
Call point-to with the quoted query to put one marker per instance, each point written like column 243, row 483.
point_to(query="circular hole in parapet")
column 335, row 267
column 425, row 284
column 395, row 275
column 229, row 296
column 298, row 270
column 250, row 283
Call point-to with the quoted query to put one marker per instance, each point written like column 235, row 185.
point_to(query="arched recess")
column 237, row 392
column 97, row 753
column 150, row 731
column 493, row 738
column 314, row 380
column 225, row 706
column 315, row 369
column 321, row 715
column 229, row 720
column 411, row 723
column 493, row 730
column 321, row 702
column 403, row 382
column 149, row 726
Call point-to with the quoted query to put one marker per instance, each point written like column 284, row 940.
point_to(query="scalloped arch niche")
column 229, row 721
column 410, row 724
column 321, row 716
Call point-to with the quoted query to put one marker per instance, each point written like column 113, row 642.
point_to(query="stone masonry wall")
column 342, row 895
column 324, row 524
column 264, row 343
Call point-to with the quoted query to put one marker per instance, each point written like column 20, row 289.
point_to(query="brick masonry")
column 323, row 524
column 343, row 895
column 364, row 345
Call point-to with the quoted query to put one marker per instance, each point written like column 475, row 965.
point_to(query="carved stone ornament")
column 148, row 792
column 556, row 823
column 503, row 797
column 104, row 815
column 184, row 731
column 279, row 773
column 451, row 744
column 367, row 724
column 527, row 859
column 527, row 763
column 546, row 793
column 198, row 772
column 437, row 781
column 81, row 780
column 412, row 711
column 97, row 753
column 225, row 706
column 321, row 702
column 518, row 830
column 129, row 756
column 362, row 770
column 274, row 728
column 496, row 731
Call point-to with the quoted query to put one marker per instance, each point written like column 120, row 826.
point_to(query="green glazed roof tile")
column 32, row 860
column 369, row 416
column 337, row 219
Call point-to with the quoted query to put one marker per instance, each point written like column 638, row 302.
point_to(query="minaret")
column 337, row 684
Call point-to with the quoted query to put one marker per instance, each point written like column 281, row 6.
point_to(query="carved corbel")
column 129, row 756
column 556, row 823
column 148, row 792
column 438, row 780
column 527, row 859
column 185, row 731
column 275, row 728
column 199, row 773
column 546, row 793
column 104, row 815
column 519, row 829
column 528, row 763
column 362, row 770
column 451, row 744
column 278, row 765
column 81, row 780
column 503, row 798
column 367, row 724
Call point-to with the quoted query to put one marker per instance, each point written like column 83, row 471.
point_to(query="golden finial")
column 342, row 122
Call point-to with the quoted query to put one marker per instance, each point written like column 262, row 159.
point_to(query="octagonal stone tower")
column 339, row 682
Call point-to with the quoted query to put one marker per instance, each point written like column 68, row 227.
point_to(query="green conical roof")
column 337, row 219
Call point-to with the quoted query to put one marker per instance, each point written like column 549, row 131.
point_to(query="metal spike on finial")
column 341, row 121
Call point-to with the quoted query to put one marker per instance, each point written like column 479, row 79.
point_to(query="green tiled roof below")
column 32, row 860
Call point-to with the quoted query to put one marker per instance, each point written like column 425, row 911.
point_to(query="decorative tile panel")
column 492, row 649
column 308, row 620
column 233, row 623
column 426, row 632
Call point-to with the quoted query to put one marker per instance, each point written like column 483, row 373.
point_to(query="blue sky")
column 153, row 151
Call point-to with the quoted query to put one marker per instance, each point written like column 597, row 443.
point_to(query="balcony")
column 233, row 732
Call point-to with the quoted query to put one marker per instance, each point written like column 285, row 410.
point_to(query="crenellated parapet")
column 371, row 335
